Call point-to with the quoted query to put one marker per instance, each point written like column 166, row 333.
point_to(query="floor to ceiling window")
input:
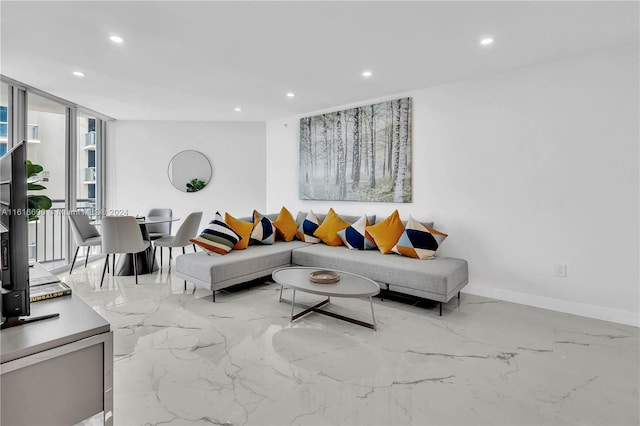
column 46, row 137
column 87, row 167
column 68, row 146
column 4, row 117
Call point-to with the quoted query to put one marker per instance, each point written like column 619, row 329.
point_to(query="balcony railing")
column 47, row 234
column 89, row 174
column 90, row 139
column 33, row 132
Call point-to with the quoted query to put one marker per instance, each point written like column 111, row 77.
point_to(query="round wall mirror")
column 189, row 171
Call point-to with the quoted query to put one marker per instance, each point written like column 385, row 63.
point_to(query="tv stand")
column 14, row 321
column 57, row 372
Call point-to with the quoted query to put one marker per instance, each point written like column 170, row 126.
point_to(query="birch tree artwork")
column 360, row 154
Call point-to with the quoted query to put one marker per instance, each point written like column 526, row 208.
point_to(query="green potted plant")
column 36, row 203
column 195, row 185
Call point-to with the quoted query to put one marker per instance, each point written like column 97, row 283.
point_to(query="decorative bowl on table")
column 324, row 277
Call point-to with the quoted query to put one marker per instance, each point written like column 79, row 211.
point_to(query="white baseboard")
column 581, row 309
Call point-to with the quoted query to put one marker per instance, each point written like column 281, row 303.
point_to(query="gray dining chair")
column 84, row 234
column 187, row 230
column 121, row 234
column 159, row 230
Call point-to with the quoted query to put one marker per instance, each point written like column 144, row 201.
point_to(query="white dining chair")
column 84, row 234
column 159, row 230
column 121, row 234
column 187, row 230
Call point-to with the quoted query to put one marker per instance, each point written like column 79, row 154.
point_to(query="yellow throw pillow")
column 241, row 228
column 387, row 233
column 286, row 225
column 328, row 231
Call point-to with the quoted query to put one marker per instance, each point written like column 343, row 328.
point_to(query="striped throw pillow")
column 217, row 237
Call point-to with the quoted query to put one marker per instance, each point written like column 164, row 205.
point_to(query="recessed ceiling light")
column 290, row 95
column 116, row 39
column 486, row 41
column 78, row 74
column 366, row 73
column 238, row 109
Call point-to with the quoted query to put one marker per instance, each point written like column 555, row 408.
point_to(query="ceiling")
column 199, row 60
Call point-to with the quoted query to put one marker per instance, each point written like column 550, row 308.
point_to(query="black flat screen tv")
column 14, row 230
column 15, row 255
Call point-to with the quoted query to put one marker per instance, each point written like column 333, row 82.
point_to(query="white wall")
column 139, row 153
column 525, row 169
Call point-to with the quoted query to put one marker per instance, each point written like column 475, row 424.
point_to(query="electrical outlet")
column 561, row 270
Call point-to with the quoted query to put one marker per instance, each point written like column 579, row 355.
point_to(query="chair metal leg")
column 458, row 299
column 183, row 252
column 74, row 260
column 135, row 267
column 214, row 296
column 106, row 264
column 170, row 254
column 185, row 285
column 153, row 262
column 86, row 256
column 113, row 265
column 194, row 247
column 281, row 288
column 161, row 256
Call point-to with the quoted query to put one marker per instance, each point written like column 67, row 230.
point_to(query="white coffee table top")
column 350, row 285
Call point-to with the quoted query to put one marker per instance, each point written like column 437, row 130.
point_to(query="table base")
column 316, row 308
column 144, row 260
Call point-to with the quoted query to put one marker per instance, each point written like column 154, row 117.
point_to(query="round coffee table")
column 350, row 285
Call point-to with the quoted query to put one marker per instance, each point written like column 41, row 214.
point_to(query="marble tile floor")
column 182, row 360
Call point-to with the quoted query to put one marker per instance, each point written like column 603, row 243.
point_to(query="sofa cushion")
column 263, row 230
column 308, row 226
column 242, row 228
column 349, row 218
column 356, row 237
column 217, row 237
column 387, row 233
column 328, row 230
column 437, row 279
column 286, row 225
column 236, row 264
column 419, row 241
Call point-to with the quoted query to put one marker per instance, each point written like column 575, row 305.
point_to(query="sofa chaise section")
column 238, row 266
column 438, row 279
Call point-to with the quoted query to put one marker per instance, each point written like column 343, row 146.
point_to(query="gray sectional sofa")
column 438, row 279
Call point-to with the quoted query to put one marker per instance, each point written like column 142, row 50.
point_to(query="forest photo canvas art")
column 359, row 154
